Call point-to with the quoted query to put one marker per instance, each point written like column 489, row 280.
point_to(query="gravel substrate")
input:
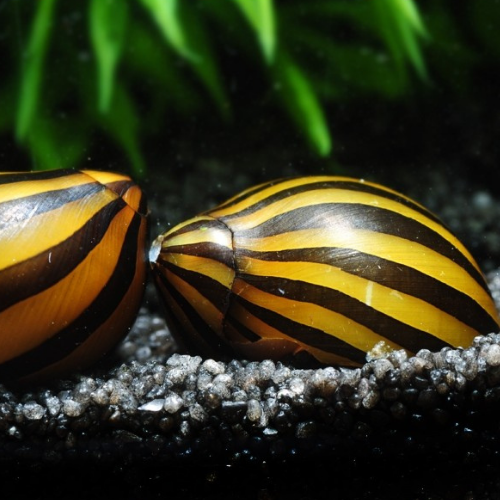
column 179, row 406
column 148, row 404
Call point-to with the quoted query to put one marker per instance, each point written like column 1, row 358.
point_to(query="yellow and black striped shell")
column 72, row 268
column 319, row 269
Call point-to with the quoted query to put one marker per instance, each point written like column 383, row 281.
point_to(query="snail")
column 72, row 268
column 319, row 269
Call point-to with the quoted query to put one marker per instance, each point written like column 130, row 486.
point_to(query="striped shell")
column 72, row 268
column 319, row 269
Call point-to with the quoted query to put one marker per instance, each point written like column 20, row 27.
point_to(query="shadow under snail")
column 310, row 270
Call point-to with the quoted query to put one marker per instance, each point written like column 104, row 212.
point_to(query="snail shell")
column 72, row 268
column 319, row 269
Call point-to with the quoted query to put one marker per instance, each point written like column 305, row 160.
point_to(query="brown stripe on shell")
column 392, row 275
column 18, row 210
column 211, row 343
column 231, row 321
column 354, row 186
column 302, row 333
column 65, row 341
column 212, row 290
column 212, row 251
column 301, row 291
column 20, row 280
column 121, row 187
column 353, row 216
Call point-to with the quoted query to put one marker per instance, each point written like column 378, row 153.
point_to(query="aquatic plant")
column 120, row 69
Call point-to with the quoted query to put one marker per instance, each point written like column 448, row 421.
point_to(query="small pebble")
column 492, row 355
column 33, row 411
column 154, row 405
column 213, row 367
column 173, row 403
column 72, row 408
column 254, row 410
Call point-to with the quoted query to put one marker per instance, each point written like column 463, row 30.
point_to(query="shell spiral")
column 72, row 268
column 319, row 269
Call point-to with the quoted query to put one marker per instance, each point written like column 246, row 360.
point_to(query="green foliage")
column 124, row 67
column 295, row 88
column 108, row 24
column 400, row 24
column 33, row 67
column 166, row 14
column 260, row 15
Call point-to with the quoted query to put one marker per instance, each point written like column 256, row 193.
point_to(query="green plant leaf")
column 108, row 22
column 344, row 70
column 400, row 25
column 166, row 14
column 147, row 60
column 261, row 16
column 31, row 79
column 408, row 10
column 206, row 66
column 183, row 29
column 121, row 122
column 301, row 101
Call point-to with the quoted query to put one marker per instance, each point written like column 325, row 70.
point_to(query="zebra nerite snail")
column 319, row 269
column 72, row 268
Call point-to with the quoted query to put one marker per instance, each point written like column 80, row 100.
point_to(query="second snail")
column 312, row 270
column 319, row 270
